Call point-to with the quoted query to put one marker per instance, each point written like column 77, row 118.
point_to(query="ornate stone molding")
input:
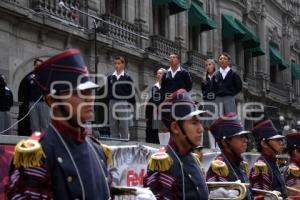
column 258, row 7
column 274, row 36
column 296, row 46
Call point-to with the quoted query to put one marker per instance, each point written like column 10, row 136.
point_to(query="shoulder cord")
column 72, row 159
column 234, row 173
column 182, row 174
column 236, row 176
column 280, row 182
column 102, row 171
column 200, row 170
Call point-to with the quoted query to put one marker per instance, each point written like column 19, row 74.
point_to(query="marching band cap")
column 63, row 72
column 227, row 126
column 293, row 140
column 265, row 130
column 178, row 106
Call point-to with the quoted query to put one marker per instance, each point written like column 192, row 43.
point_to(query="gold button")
column 190, row 176
column 197, row 188
column 76, row 199
column 69, row 179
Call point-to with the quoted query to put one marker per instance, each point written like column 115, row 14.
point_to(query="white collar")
column 119, row 75
column 174, row 73
column 226, row 70
column 157, row 85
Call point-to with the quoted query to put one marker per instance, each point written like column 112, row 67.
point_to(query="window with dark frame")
column 273, row 73
column 194, row 33
column 293, row 81
column 159, row 20
column 114, row 7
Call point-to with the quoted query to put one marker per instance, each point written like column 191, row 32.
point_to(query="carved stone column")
column 286, row 53
column 144, row 14
column 262, row 64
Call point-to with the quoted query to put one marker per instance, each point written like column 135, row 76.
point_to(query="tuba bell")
column 240, row 187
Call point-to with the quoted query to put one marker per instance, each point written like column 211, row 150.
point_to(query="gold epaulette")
column 260, row 167
column 220, row 168
column 294, row 170
column 246, row 167
column 28, row 153
column 160, row 161
column 108, row 153
column 197, row 159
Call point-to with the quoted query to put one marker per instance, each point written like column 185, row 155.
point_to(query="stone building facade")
column 262, row 37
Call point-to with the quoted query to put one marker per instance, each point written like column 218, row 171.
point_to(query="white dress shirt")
column 225, row 71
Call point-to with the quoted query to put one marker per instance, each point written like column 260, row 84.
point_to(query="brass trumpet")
column 241, row 187
column 274, row 195
column 293, row 190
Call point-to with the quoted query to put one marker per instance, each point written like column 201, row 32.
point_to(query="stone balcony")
column 278, row 92
column 120, row 29
column 196, row 62
column 162, row 46
column 52, row 8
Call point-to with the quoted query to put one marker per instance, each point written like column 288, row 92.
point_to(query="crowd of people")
column 64, row 161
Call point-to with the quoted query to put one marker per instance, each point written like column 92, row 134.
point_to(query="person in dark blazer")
column 175, row 78
column 151, row 107
column 174, row 172
column 121, row 97
column 6, row 102
column 208, row 94
column 227, row 84
column 207, row 84
column 30, row 97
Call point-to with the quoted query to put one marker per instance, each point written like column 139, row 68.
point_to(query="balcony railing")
column 163, row 47
column 52, row 8
column 11, row 1
column 278, row 91
column 120, row 29
column 196, row 61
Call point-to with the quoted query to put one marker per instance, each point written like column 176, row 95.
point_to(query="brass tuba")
column 241, row 187
column 293, row 190
column 274, row 195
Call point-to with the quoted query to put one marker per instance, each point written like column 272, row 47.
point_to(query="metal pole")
column 95, row 50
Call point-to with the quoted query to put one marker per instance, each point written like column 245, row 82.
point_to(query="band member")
column 174, row 173
column 232, row 139
column 265, row 174
column 65, row 162
column 292, row 171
